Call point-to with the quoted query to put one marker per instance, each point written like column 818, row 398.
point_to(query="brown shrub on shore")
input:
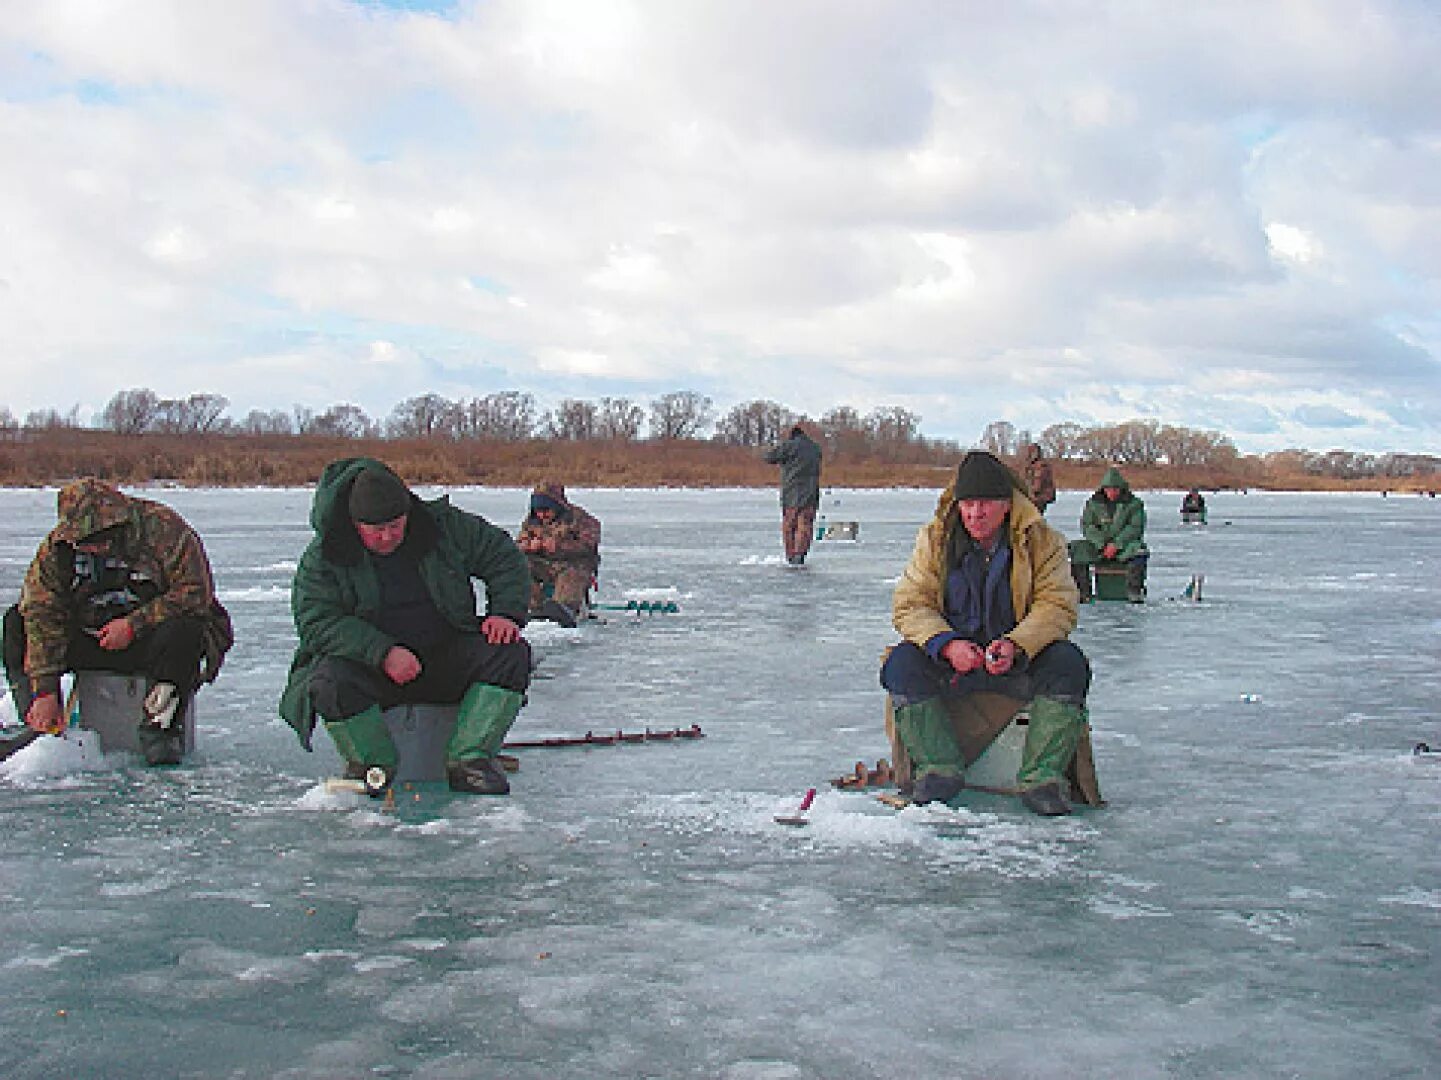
column 33, row 459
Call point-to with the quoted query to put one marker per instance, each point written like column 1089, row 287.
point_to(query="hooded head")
column 1031, row 452
column 378, row 496
column 1114, row 479
column 88, row 506
column 549, row 495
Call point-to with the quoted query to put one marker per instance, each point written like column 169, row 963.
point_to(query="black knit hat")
column 377, row 497
column 981, row 476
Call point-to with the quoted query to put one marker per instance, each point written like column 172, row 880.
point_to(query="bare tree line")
column 889, row 433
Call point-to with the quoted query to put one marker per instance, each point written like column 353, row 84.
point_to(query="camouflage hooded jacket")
column 168, row 575
column 575, row 532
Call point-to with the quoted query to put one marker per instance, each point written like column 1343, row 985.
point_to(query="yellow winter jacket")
column 1042, row 590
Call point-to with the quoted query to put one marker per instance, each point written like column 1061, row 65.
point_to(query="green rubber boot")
column 1051, row 739
column 363, row 740
column 486, row 714
column 925, row 731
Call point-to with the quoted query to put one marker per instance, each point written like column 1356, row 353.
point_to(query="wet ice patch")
column 43, row 960
column 1415, row 897
column 1116, row 907
column 255, row 594
column 763, row 560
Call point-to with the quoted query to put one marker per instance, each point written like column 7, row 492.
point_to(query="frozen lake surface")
column 1261, row 896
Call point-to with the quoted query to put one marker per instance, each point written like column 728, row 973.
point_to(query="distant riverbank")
column 49, row 458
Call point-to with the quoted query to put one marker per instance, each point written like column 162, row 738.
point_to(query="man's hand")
column 1109, row 551
column 400, row 665
column 115, row 635
column 45, row 715
column 964, row 656
column 498, row 630
column 1000, row 655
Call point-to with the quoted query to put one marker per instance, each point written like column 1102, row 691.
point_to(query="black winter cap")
column 377, row 497
column 981, row 476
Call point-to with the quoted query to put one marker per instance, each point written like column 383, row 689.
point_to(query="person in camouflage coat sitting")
column 562, row 543
column 120, row 584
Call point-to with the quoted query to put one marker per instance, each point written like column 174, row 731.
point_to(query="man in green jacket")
column 1113, row 529
column 385, row 610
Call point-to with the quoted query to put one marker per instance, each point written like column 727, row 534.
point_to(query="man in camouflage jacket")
column 120, row 584
column 562, row 543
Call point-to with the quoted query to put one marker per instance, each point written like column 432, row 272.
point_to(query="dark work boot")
column 937, row 787
column 478, row 776
column 161, row 745
column 1046, row 800
column 162, row 732
column 557, row 612
column 1136, row 581
column 1081, row 574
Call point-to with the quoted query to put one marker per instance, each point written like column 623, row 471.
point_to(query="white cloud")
column 1030, row 211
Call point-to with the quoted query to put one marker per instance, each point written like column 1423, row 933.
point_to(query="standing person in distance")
column 799, row 457
column 385, row 610
column 1036, row 470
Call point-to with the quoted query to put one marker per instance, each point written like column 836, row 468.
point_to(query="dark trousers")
column 169, row 653
column 1058, row 671
column 342, row 688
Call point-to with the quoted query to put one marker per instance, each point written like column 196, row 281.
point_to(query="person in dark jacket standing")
column 799, row 457
column 385, row 610
column 1040, row 483
column 120, row 584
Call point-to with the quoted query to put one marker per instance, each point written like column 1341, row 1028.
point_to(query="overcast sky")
column 1220, row 215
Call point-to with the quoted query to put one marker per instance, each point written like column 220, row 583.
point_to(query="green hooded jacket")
column 1122, row 522
column 336, row 594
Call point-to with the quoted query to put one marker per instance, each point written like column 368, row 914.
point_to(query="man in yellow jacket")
column 986, row 603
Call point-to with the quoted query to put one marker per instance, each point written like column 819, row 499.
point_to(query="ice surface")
column 1261, row 897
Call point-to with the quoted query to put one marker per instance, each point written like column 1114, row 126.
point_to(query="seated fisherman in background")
column 562, row 543
column 386, row 615
column 985, row 603
column 120, row 584
column 1193, row 505
column 1113, row 529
